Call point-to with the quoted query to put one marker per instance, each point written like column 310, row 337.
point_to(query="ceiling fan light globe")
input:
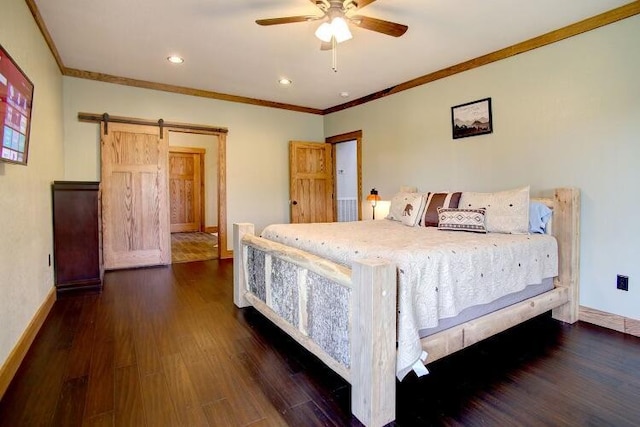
column 340, row 29
column 325, row 32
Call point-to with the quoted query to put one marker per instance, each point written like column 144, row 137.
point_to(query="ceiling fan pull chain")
column 334, row 55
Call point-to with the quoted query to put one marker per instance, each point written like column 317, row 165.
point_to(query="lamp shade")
column 324, row 32
column 373, row 196
column 340, row 29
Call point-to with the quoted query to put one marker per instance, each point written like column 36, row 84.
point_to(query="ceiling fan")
column 338, row 13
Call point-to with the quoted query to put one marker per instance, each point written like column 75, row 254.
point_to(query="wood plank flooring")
column 166, row 347
column 193, row 246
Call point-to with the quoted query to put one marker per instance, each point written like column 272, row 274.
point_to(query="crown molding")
column 33, row 8
column 575, row 29
column 108, row 78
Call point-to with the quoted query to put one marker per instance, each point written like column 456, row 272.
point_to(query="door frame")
column 344, row 137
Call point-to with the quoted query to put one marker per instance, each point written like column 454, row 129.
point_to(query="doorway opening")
column 346, row 164
column 347, row 154
column 193, row 196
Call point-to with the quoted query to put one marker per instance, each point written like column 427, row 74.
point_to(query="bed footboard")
column 346, row 317
column 373, row 342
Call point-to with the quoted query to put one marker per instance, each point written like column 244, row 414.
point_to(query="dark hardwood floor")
column 166, row 346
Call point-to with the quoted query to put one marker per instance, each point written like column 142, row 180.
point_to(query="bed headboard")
column 566, row 230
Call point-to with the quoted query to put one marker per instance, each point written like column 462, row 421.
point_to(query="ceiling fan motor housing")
column 336, row 7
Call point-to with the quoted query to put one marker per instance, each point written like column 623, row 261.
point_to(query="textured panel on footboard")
column 328, row 312
column 255, row 273
column 284, row 290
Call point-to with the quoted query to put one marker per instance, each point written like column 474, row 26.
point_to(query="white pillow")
column 506, row 211
column 407, row 208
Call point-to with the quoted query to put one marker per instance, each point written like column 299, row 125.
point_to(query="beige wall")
column 209, row 143
column 257, row 143
column 25, row 191
column 564, row 115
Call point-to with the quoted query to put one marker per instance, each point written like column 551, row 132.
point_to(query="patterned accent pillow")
column 407, row 208
column 507, row 211
column 435, row 201
column 397, row 204
column 454, row 219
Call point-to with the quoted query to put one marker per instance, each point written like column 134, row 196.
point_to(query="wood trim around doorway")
column 223, row 252
column 344, row 137
column 222, row 197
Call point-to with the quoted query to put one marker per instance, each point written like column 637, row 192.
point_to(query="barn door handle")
column 294, row 203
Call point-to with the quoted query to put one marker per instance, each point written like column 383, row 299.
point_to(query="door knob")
column 294, row 203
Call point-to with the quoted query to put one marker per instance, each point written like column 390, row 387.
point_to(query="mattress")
column 440, row 273
column 480, row 310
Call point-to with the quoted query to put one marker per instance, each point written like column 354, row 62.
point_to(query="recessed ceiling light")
column 344, row 94
column 175, row 59
column 285, row 81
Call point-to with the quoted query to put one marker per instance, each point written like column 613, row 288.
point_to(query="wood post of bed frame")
column 566, row 229
column 373, row 341
column 239, row 280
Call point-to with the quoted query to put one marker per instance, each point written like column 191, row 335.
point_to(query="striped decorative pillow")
column 462, row 220
column 438, row 200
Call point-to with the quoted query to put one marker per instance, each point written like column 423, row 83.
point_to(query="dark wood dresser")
column 76, row 236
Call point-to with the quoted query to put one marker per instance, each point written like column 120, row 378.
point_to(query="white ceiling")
column 225, row 51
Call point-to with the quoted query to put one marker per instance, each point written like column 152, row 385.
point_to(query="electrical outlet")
column 622, row 282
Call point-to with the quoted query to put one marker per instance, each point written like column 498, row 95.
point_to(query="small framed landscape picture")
column 471, row 119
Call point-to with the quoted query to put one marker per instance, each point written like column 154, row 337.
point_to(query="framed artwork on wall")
column 471, row 119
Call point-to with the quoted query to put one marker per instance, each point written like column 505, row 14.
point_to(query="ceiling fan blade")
column 323, row 5
column 363, row 3
column 286, row 20
column 380, row 26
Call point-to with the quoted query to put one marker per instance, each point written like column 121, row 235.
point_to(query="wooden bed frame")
column 372, row 312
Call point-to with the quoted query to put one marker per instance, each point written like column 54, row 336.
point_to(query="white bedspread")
column 440, row 273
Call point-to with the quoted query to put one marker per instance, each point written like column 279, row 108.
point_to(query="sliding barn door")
column 311, row 182
column 135, row 206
